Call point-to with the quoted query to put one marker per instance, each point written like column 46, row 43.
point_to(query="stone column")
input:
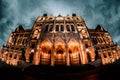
column 37, row 58
column 82, row 54
column 52, row 58
column 27, row 55
column 67, row 57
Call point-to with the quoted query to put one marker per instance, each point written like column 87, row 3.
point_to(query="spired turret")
column 60, row 40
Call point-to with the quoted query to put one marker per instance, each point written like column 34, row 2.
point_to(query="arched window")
column 51, row 27
column 46, row 28
column 62, row 28
column 68, row 28
column 60, row 52
column 57, row 27
column 72, row 28
column 86, row 45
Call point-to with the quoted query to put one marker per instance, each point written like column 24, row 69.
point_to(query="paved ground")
column 84, row 72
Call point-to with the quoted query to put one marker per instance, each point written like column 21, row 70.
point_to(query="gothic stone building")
column 61, row 40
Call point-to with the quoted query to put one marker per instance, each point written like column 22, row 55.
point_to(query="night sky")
column 94, row 12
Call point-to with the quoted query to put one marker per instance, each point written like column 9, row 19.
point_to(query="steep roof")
column 19, row 28
column 99, row 28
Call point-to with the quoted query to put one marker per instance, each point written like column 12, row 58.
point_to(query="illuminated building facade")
column 61, row 40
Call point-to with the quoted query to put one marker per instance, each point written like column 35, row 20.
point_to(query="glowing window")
column 83, row 31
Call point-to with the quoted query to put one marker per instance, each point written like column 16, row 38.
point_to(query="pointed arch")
column 73, row 50
column 72, row 43
column 59, row 51
column 46, row 47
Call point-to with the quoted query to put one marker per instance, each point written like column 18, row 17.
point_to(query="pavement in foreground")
column 84, row 72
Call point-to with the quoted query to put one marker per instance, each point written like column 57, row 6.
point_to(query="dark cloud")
column 15, row 12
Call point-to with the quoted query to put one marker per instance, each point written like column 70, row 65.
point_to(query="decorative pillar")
column 27, row 55
column 67, row 57
column 82, row 54
column 37, row 58
column 52, row 58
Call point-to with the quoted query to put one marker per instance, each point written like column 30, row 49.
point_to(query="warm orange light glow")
column 60, row 40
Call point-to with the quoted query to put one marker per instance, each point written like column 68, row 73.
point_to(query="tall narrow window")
column 72, row 27
column 31, row 57
column 51, row 27
column 57, row 27
column 86, row 45
column 68, row 28
column 46, row 29
column 23, row 41
column 62, row 28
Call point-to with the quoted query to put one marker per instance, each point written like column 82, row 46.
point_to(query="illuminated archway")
column 60, row 52
column 46, row 49
column 73, row 50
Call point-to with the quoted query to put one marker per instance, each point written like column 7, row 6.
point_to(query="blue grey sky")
column 16, row 12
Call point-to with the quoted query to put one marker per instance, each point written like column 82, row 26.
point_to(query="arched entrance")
column 60, row 52
column 60, row 55
column 46, row 50
column 73, row 50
